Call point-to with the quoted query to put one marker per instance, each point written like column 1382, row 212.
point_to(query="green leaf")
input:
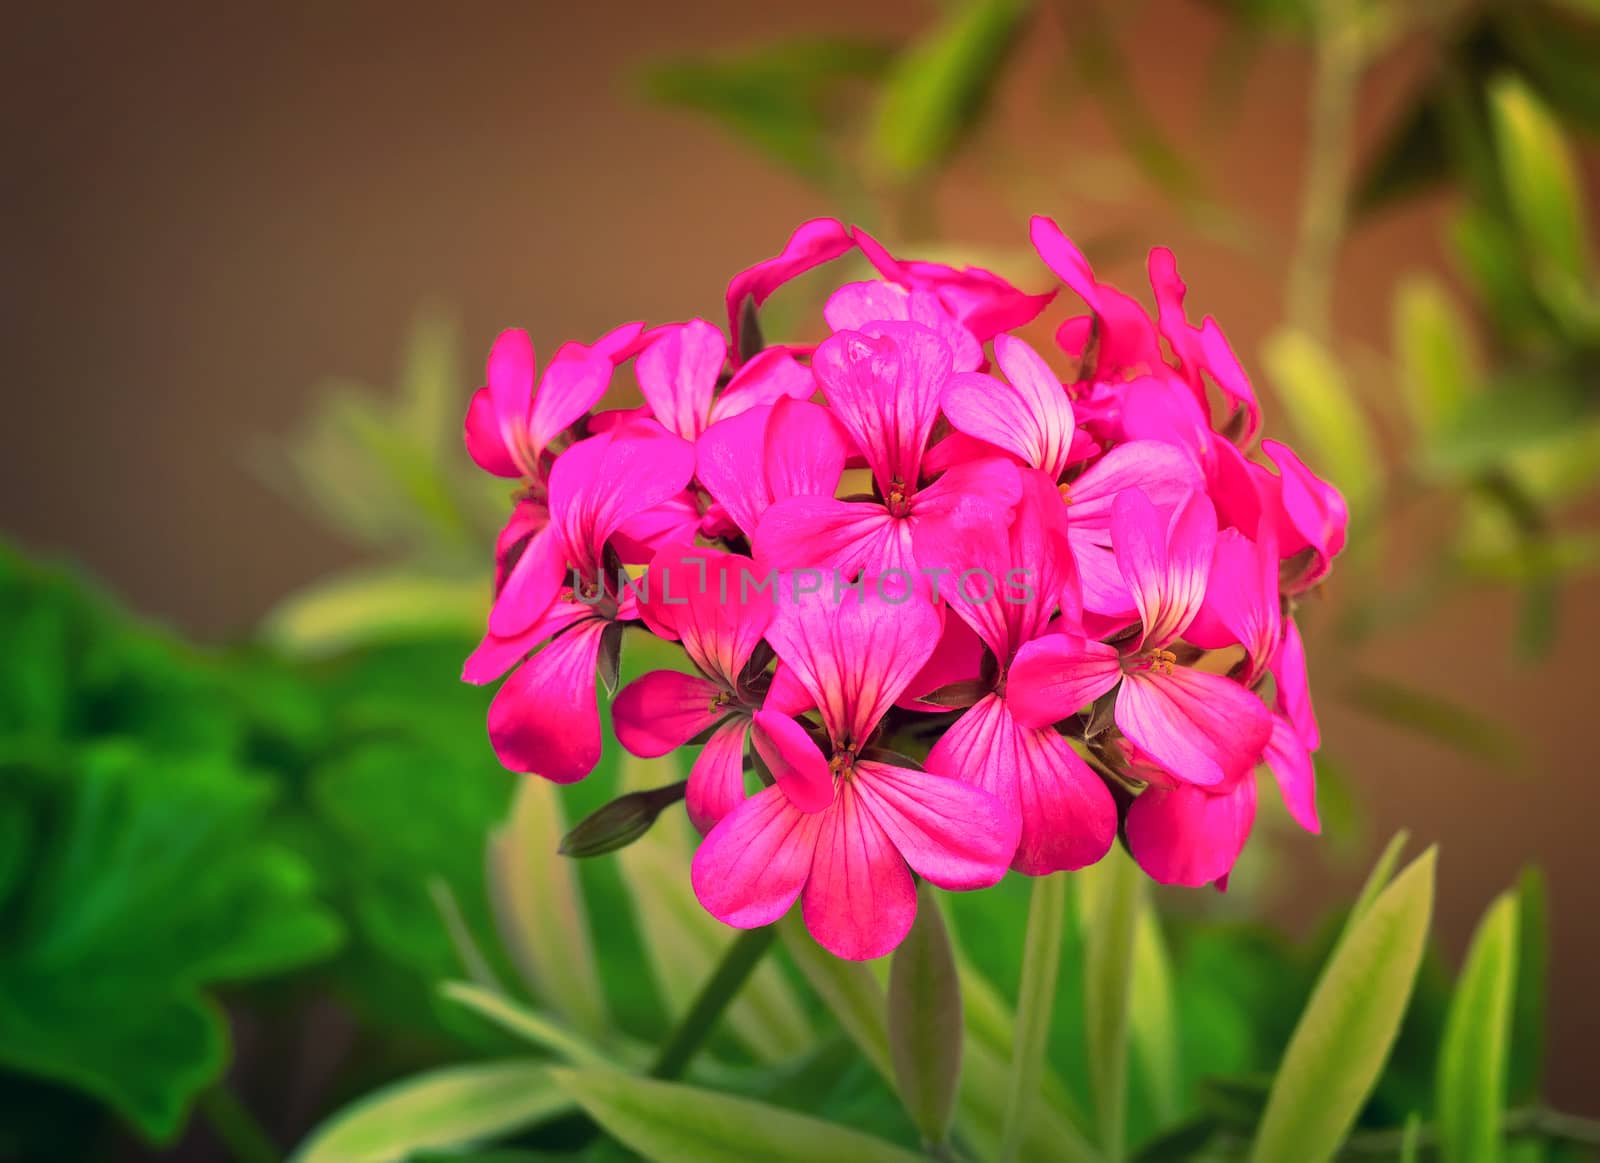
column 1113, row 894
column 784, row 99
column 361, row 608
column 684, row 943
column 1439, row 366
column 1343, row 1038
column 1540, row 181
column 1378, row 879
column 1429, row 715
column 940, row 85
column 1153, row 1018
column 1471, row 1090
column 925, row 1020
column 1411, row 1139
column 668, row 1122
column 1333, row 430
column 1036, row 996
column 1522, row 410
column 1526, row 1070
column 539, row 908
column 521, row 1022
column 148, row 882
column 457, row 1106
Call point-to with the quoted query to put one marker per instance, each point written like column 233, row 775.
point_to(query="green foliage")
column 924, row 1007
column 1477, row 1038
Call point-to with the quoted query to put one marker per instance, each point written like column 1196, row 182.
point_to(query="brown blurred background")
column 208, row 209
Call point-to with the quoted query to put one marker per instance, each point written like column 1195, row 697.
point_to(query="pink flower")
column 844, row 832
column 1203, row 352
column 884, row 388
column 1312, row 516
column 681, row 368
column 1067, row 814
column 1124, row 338
column 713, row 604
column 793, row 448
column 510, row 424
column 1201, row 728
column 983, row 302
column 812, row 244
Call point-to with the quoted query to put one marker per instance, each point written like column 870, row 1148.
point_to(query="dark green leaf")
column 925, row 1020
column 1471, row 1092
column 1430, row 715
column 1526, row 1069
column 621, row 822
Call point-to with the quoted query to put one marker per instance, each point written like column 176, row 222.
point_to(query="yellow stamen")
column 1162, row 662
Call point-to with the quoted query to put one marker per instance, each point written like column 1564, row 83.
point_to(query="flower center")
column 723, row 699
column 1161, row 662
column 898, row 499
column 842, row 762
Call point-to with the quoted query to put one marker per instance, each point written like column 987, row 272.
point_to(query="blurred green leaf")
column 940, row 85
column 1525, row 1071
column 1334, row 432
column 848, row 989
column 1343, row 1037
column 1378, row 879
column 539, row 908
column 148, row 884
column 521, row 1022
column 668, row 1122
column 455, row 1107
column 1153, row 1018
column 1472, row 1059
column 1112, row 895
column 371, row 607
column 1439, row 366
column 1542, row 186
column 1430, row 715
column 1521, row 411
column 925, row 1022
column 783, row 99
column 1036, row 995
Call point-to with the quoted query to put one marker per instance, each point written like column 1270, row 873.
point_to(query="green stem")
column 719, row 990
column 1036, row 995
column 238, row 1129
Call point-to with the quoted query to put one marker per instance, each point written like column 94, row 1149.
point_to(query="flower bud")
column 621, row 822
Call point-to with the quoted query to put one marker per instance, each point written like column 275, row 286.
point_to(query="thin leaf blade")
column 1471, row 1085
column 925, row 1022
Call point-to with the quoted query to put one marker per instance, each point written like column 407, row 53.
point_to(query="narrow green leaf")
column 1111, row 908
column 1522, row 410
column 1327, row 416
column 1540, row 179
column 1439, row 366
column 684, row 943
column 1154, row 1017
column 667, row 1122
column 925, row 1020
column 1471, row 1081
column 1411, row 1139
column 1427, row 714
column 539, row 908
column 1378, row 879
column 849, row 990
column 362, row 607
column 453, row 1107
column 941, row 84
column 1036, row 997
column 1344, row 1035
column 1526, row 1071
column 546, row 1033
column 468, row 953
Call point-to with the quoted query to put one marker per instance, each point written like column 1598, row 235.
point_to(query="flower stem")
column 236, row 1127
column 1036, row 995
column 719, row 990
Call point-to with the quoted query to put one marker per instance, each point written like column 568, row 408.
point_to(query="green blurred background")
column 218, row 220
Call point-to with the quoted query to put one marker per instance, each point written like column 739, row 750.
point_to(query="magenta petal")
column 753, row 864
column 678, row 374
column 860, row 901
column 794, row 760
column 530, row 587
column 510, row 381
column 1059, row 675
column 1291, row 766
column 598, row 483
column 661, row 711
column 712, row 601
column 952, row 833
column 1241, row 604
column 495, row 655
column 730, row 461
column 545, row 719
column 1165, row 473
column 1166, row 568
column 572, row 384
column 1202, row 728
column 957, row 658
column 1186, row 835
column 716, row 781
column 485, row 442
column 812, row 244
column 772, row 375
column 786, row 696
column 826, row 539
column 806, row 450
column 1294, row 687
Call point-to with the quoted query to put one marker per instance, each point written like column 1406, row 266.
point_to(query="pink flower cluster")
column 948, row 611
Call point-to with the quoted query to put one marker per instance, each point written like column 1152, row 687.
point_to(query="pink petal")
column 678, row 374
column 786, row 696
column 792, row 448
column 545, row 719
column 661, row 711
column 572, row 384
column 885, row 390
column 730, row 461
column 531, row 586
column 828, row 539
column 716, row 781
column 1068, row 818
column 1241, row 604
column 510, row 381
column 753, row 864
column 771, row 375
column 1290, row 763
column 1294, row 686
column 1313, row 514
column 598, row 483
column 812, row 244
column 794, row 760
column 485, row 443
column 950, row 832
column 1202, row 728
column 1185, row 835
column 982, row 300
column 859, row 902
column 1165, row 568
column 712, row 601
column 1059, row 675
column 806, row 450
column 1165, row 474
column 1127, row 337
column 618, row 344
column 957, row 658
column 854, row 653
column 675, row 521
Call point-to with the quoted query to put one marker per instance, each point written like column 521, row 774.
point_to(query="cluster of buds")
column 948, row 608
